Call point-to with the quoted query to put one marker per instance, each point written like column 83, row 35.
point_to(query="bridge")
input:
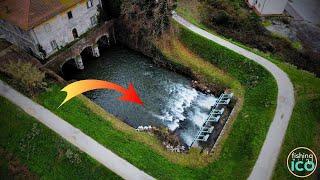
column 88, row 41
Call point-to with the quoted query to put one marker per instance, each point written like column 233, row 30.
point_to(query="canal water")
column 169, row 100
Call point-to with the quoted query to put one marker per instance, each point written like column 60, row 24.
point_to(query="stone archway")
column 69, row 67
column 103, row 41
column 87, row 51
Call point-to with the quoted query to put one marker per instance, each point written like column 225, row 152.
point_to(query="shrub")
column 221, row 18
column 234, row 20
column 27, row 74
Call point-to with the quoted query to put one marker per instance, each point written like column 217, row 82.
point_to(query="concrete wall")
column 17, row 36
column 60, row 27
column 268, row 7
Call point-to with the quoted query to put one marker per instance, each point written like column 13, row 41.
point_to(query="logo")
column 302, row 162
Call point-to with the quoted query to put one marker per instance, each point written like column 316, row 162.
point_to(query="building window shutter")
column 54, row 45
column 93, row 20
column 89, row 4
column 70, row 16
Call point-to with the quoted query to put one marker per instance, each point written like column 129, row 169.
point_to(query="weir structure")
column 88, row 41
column 215, row 115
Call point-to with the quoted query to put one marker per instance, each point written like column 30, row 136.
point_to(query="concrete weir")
column 73, row 51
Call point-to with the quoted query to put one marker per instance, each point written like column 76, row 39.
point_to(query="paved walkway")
column 73, row 135
column 268, row 156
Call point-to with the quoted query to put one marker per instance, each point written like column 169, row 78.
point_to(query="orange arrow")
column 79, row 87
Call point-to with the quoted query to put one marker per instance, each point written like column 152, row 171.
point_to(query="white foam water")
column 181, row 98
column 186, row 104
column 169, row 98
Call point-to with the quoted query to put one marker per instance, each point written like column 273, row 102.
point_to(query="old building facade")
column 43, row 27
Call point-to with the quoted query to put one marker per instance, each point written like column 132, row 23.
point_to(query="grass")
column 239, row 149
column 305, row 123
column 45, row 153
column 104, row 131
column 304, row 126
column 242, row 147
column 297, row 45
column 244, row 140
column 189, row 10
column 180, row 55
column 266, row 23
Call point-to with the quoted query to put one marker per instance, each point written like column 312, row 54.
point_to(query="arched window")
column 75, row 33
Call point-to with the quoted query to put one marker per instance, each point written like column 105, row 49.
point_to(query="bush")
column 221, row 18
column 234, row 20
column 27, row 74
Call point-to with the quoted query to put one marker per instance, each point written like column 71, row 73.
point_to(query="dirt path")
column 85, row 143
column 269, row 153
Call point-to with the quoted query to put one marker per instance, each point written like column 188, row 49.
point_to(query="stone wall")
column 17, row 36
column 89, row 40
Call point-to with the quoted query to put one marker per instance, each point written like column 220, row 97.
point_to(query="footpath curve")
column 270, row 151
column 73, row 135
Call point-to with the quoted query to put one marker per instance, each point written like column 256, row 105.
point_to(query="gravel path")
column 269, row 153
column 73, row 135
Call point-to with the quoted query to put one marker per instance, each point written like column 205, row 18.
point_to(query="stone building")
column 43, row 27
column 268, row 7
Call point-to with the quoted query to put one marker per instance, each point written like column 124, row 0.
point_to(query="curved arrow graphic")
column 79, row 87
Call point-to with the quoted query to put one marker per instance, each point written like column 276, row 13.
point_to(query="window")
column 54, row 45
column 70, row 15
column 89, row 4
column 47, row 27
column 93, row 20
column 75, row 33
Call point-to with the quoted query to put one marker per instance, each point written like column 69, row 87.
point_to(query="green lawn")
column 304, row 126
column 240, row 148
column 249, row 130
column 46, row 154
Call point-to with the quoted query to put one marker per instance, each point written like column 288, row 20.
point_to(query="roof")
column 29, row 13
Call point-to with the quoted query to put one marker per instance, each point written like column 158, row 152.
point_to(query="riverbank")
column 52, row 97
column 246, row 129
column 179, row 103
column 147, row 153
column 206, row 73
column 306, row 112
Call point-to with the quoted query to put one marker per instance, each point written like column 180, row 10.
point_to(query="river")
column 169, row 100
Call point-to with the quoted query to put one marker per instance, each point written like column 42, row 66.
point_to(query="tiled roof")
column 29, row 13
